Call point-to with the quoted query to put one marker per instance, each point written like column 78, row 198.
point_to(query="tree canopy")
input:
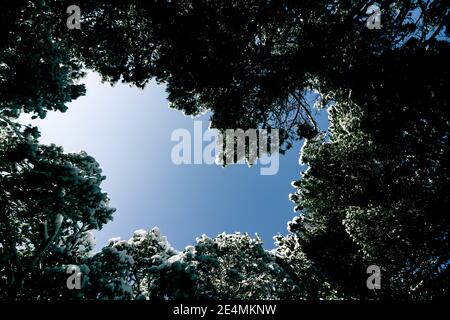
column 376, row 188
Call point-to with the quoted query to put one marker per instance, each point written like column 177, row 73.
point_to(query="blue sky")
column 128, row 131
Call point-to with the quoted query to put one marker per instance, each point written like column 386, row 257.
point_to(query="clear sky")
column 128, row 131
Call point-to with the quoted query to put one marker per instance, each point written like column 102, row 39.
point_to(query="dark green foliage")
column 37, row 74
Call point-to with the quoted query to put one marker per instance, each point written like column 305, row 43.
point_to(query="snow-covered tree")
column 236, row 266
column 110, row 273
column 378, row 195
column 376, row 191
column 230, row 266
column 49, row 202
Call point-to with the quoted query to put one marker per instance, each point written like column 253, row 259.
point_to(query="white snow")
column 156, row 231
column 113, row 240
